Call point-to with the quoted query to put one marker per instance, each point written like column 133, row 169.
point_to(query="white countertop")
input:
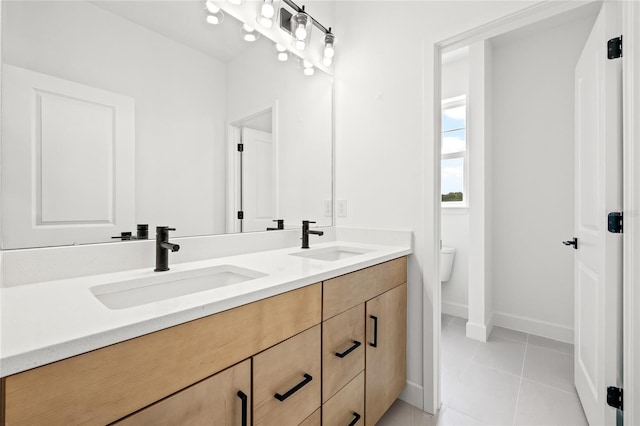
column 48, row 321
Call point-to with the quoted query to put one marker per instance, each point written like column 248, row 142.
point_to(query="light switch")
column 342, row 208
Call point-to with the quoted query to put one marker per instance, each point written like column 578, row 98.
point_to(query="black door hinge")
column 614, row 397
column 614, row 48
column 240, row 214
column 614, row 222
column 240, row 147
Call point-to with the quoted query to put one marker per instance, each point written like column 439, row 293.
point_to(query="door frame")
column 631, row 207
column 432, row 297
column 233, row 132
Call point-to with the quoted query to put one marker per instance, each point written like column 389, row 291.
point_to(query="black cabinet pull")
column 348, row 351
column 296, row 388
column 573, row 243
column 243, row 397
column 375, row 331
column 356, row 417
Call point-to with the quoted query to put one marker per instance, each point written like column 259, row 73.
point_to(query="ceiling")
column 183, row 21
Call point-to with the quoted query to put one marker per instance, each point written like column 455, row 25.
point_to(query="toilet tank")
column 446, row 262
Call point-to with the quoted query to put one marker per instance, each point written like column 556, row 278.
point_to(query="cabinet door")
column 221, row 400
column 286, row 380
column 386, row 351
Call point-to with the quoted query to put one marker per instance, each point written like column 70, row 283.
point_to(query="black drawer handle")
column 243, row 397
column 348, row 351
column 375, row 331
column 356, row 417
column 296, row 388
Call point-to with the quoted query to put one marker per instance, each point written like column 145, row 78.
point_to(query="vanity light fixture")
column 298, row 23
column 329, row 39
column 214, row 14
column 236, row 2
column 266, row 14
column 283, row 53
column 249, row 33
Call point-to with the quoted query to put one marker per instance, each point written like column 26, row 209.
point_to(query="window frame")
column 446, row 104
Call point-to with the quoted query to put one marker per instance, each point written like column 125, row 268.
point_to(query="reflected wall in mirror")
column 124, row 112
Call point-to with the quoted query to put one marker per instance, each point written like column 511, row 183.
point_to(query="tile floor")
column 513, row 379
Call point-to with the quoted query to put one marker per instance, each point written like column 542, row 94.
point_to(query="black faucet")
column 162, row 248
column 306, row 231
column 280, row 223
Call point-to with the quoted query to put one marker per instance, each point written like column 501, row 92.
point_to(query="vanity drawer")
column 347, row 406
column 286, row 380
column 221, row 400
column 343, row 347
column 347, row 291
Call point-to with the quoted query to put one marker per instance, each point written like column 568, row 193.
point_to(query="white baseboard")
column 413, row 394
column 534, row 326
column 456, row 309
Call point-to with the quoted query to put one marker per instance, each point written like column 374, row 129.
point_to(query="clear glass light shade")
column 212, row 7
column 300, row 25
column 309, row 71
column 300, row 45
column 306, row 63
column 327, row 62
column 329, row 51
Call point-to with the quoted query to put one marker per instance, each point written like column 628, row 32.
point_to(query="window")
column 454, row 152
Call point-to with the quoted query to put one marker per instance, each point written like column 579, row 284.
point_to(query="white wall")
column 533, row 183
column 303, row 127
column 455, row 221
column 385, row 138
column 179, row 95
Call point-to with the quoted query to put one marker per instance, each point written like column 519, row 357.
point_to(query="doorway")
column 519, row 285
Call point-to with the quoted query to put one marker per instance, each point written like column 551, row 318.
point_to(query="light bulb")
column 307, row 64
column 300, row 45
column 327, row 61
column 309, row 71
column 280, row 48
column 283, row 56
column 212, row 7
column 249, row 33
column 267, row 9
column 265, row 22
column 329, row 51
column 301, row 33
column 215, row 18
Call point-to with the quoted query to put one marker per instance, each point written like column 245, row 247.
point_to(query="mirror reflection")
column 122, row 113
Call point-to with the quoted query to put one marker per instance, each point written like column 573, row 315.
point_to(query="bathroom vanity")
column 310, row 341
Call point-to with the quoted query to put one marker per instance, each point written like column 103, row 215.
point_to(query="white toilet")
column 446, row 262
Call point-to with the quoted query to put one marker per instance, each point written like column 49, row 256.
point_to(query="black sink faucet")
column 280, row 223
column 306, row 231
column 162, row 248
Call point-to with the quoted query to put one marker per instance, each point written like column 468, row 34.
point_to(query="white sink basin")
column 167, row 285
column 332, row 253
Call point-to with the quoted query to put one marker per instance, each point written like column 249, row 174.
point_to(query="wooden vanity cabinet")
column 222, row 400
column 371, row 302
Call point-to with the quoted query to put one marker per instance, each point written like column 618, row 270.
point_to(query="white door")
column 598, row 258
column 69, row 150
column 258, row 181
